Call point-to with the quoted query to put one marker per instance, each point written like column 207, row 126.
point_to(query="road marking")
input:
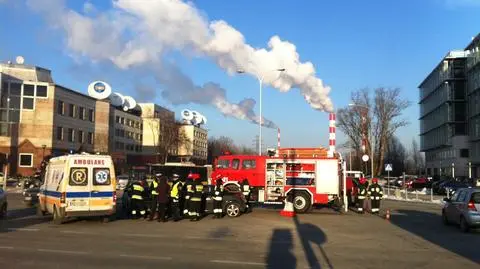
column 24, row 229
column 62, row 251
column 5, row 247
column 239, row 262
column 145, row 257
column 145, row 235
column 76, row 232
column 195, row 237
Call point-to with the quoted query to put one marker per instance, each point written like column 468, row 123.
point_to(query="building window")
column 464, row 153
column 28, row 90
column 15, row 89
column 72, row 110
column 28, row 103
column 81, row 136
column 61, row 107
column 25, row 159
column 117, row 119
column 59, row 133
column 90, row 138
column 122, row 120
column 71, row 135
column 81, row 113
column 91, row 115
column 42, row 91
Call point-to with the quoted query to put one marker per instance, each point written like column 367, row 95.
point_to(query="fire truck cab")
column 311, row 178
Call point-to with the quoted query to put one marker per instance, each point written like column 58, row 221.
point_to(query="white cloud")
column 130, row 34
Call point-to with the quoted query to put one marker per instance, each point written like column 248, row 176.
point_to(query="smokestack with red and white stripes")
column 331, row 137
column 278, row 138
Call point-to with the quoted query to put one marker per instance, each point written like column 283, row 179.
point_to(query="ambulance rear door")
column 103, row 188
column 78, row 189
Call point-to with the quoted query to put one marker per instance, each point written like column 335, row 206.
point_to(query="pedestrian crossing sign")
column 388, row 167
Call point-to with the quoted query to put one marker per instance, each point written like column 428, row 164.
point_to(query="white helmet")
column 175, row 176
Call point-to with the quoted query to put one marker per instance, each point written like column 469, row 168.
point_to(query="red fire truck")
column 313, row 177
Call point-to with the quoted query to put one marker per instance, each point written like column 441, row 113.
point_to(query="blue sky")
column 353, row 44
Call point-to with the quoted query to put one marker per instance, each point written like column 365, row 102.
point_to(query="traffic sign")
column 365, row 158
column 388, row 167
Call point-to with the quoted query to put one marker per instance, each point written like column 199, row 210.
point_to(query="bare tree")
column 379, row 117
column 171, row 138
column 396, row 155
column 417, row 157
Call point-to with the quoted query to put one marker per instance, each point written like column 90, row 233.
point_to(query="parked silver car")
column 463, row 209
column 3, row 204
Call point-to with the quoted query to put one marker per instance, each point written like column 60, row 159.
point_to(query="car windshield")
column 223, row 164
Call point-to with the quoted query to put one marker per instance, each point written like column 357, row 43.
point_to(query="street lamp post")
column 260, row 82
column 370, row 135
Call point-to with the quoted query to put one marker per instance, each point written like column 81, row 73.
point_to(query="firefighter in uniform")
column 138, row 193
column 196, row 200
column 361, row 195
column 246, row 192
column 188, row 191
column 175, row 197
column 154, row 195
column 217, row 200
column 376, row 194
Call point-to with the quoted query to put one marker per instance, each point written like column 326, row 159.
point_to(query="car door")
column 101, row 196
column 458, row 206
column 450, row 207
column 78, row 190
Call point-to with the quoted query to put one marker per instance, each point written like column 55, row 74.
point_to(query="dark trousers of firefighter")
column 360, row 204
column 162, row 209
column 247, row 204
column 175, row 209
column 186, row 206
column 375, row 205
column 196, row 207
column 153, row 207
column 137, row 208
column 217, row 208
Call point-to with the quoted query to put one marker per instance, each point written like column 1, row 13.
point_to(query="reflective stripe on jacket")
column 154, row 188
column 174, row 192
column 137, row 193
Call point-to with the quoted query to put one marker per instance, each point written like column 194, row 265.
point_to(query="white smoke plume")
column 130, row 34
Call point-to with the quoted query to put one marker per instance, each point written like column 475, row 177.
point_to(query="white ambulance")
column 79, row 185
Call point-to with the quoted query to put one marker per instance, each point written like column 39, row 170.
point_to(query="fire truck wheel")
column 301, row 202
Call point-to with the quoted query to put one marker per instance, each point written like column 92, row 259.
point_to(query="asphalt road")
column 413, row 238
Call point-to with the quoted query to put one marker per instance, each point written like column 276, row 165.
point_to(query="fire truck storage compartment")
column 328, row 176
column 275, row 177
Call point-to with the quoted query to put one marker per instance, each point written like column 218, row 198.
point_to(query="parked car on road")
column 463, row 209
column 416, row 183
column 30, row 196
column 3, row 204
column 234, row 203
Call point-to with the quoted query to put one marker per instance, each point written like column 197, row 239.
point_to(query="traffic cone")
column 387, row 215
column 288, row 210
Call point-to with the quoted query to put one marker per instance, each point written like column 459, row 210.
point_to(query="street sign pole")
column 388, row 183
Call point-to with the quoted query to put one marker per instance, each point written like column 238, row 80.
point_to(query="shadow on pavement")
column 20, row 219
column 312, row 236
column 280, row 255
column 429, row 226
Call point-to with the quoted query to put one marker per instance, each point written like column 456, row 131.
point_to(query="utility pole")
column 256, row 142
